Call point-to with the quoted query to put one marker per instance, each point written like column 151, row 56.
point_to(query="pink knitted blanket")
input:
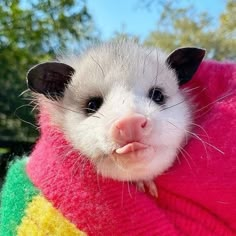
column 197, row 196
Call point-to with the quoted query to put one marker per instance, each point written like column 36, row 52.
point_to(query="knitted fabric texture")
column 26, row 212
column 197, row 196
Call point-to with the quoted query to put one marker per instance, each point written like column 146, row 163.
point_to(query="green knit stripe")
column 16, row 194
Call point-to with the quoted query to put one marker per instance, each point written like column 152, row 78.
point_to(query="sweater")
column 46, row 194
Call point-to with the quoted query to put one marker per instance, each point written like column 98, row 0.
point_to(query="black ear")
column 50, row 79
column 185, row 62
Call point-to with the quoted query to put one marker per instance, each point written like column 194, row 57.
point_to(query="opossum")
column 120, row 104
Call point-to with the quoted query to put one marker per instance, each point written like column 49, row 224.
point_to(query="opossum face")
column 120, row 105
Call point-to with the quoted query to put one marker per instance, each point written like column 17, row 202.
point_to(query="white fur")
column 123, row 72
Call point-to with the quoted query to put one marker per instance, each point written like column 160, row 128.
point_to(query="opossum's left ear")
column 185, row 62
column 50, row 79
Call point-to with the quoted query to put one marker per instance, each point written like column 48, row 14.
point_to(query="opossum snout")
column 131, row 128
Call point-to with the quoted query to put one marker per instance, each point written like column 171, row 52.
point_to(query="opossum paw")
column 149, row 186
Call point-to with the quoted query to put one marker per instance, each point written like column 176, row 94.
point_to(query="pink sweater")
column 197, row 196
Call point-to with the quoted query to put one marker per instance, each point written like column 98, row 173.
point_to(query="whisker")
column 200, row 139
column 25, row 121
column 155, row 78
column 165, row 108
column 151, row 98
column 204, row 142
column 75, row 167
column 192, row 89
column 178, row 159
column 98, row 180
column 195, row 135
column 24, row 92
column 144, row 62
column 200, row 127
column 128, row 186
column 84, row 162
column 98, row 65
column 184, row 153
column 78, row 112
column 217, row 100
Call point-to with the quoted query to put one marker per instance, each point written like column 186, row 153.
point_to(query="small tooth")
column 119, row 150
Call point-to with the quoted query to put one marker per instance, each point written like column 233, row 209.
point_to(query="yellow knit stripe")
column 41, row 219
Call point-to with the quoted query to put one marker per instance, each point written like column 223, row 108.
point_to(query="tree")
column 181, row 26
column 31, row 33
column 228, row 18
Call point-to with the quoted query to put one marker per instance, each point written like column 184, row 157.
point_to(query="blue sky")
column 130, row 16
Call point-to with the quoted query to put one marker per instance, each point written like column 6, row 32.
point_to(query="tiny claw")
column 149, row 185
column 140, row 186
column 152, row 188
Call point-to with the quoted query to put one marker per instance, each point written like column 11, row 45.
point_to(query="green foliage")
column 228, row 18
column 184, row 26
column 31, row 33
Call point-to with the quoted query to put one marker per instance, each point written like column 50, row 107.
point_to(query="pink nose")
column 130, row 128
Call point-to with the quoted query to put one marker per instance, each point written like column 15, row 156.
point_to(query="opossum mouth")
column 131, row 147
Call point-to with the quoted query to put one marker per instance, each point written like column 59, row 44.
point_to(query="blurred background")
column 33, row 31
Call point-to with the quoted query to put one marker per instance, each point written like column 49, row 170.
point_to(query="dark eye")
column 156, row 95
column 93, row 104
